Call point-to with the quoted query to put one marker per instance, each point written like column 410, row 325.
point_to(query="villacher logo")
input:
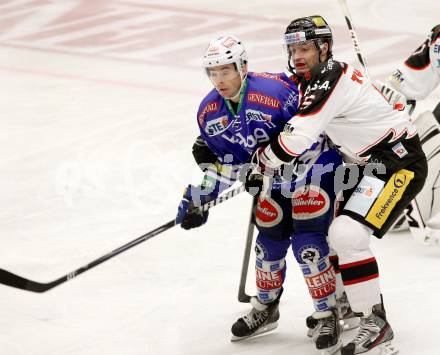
column 311, row 203
column 269, row 213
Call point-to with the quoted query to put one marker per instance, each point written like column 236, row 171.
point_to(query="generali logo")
column 210, row 107
column 263, row 99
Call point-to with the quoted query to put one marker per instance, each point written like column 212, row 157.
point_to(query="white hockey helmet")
column 225, row 50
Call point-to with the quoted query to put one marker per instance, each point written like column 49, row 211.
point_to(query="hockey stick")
column 242, row 295
column 354, row 38
column 9, row 279
column 412, row 212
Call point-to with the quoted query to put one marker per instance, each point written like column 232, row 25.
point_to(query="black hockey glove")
column 188, row 215
column 194, row 218
column 254, row 183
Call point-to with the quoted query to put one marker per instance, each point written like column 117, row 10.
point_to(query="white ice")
column 97, row 120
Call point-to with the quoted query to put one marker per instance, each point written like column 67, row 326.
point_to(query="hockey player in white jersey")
column 419, row 75
column 384, row 150
column 240, row 115
column 412, row 81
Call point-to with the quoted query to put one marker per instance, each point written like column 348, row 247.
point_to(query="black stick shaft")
column 10, row 279
column 242, row 295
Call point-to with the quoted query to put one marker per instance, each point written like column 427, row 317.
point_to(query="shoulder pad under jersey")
column 420, row 58
column 321, row 80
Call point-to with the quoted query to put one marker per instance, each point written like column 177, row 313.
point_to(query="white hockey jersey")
column 338, row 100
column 419, row 75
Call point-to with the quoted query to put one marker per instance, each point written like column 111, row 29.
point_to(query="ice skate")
column 327, row 332
column 374, row 337
column 261, row 319
column 347, row 318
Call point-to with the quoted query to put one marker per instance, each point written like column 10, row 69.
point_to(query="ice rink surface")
column 98, row 101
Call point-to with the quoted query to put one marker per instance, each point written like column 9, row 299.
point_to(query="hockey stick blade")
column 244, row 298
column 9, row 279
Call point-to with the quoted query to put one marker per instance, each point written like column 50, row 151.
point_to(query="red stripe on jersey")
column 361, row 279
column 380, row 92
column 395, row 137
column 415, row 68
column 357, row 263
column 280, row 140
column 324, row 103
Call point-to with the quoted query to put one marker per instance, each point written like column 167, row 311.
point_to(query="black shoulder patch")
column 323, row 79
column 420, row 58
column 435, row 33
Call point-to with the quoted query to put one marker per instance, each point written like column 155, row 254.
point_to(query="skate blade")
column 388, row 348
column 313, row 333
column 262, row 330
column 332, row 349
column 349, row 323
column 346, row 324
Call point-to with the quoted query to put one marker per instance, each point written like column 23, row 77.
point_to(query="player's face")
column 304, row 57
column 226, row 79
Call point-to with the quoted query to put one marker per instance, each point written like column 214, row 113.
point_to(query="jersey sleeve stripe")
column 280, row 139
column 282, row 153
column 417, row 68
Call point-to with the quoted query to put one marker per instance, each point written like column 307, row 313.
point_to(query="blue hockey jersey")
column 268, row 102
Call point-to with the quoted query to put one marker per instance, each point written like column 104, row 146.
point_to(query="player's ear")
column 245, row 68
column 324, row 51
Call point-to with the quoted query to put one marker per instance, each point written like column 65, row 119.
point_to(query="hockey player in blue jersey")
column 244, row 112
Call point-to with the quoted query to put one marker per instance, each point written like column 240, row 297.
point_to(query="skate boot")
column 327, row 332
column 312, row 328
column 347, row 318
column 374, row 337
column 261, row 319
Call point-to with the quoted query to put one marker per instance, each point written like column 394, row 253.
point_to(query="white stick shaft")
column 354, row 38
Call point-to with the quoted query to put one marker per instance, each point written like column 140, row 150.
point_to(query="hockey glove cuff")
column 188, row 214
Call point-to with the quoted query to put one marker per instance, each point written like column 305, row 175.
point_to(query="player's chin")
column 301, row 70
column 223, row 92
